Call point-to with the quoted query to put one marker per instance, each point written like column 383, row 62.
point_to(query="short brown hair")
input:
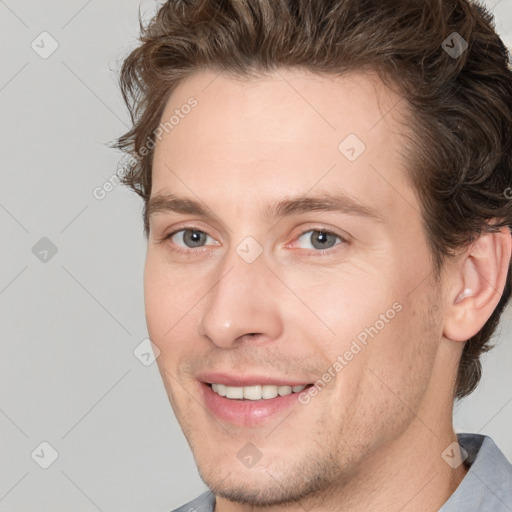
column 460, row 97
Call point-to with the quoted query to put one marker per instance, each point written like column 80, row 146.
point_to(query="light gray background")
column 70, row 325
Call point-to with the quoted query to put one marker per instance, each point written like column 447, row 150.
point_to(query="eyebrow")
column 326, row 202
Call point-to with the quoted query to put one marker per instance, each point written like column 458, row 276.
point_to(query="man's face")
column 248, row 296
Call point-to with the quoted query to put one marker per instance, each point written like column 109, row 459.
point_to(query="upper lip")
column 230, row 379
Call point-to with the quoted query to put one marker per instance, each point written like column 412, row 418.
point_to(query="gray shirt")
column 487, row 486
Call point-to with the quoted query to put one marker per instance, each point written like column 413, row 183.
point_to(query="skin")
column 373, row 437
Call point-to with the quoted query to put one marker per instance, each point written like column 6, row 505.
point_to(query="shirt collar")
column 488, row 483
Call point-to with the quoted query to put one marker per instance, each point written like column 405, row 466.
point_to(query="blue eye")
column 192, row 238
column 321, row 239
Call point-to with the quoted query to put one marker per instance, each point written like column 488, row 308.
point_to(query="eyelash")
column 200, row 250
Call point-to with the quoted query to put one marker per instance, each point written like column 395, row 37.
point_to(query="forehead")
column 287, row 132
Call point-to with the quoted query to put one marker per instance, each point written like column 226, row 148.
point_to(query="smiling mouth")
column 257, row 392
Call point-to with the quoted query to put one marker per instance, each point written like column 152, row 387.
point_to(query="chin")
column 258, row 494
column 264, row 487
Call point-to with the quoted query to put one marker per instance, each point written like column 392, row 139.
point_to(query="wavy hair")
column 461, row 100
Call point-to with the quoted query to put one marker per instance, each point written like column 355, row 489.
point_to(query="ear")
column 480, row 278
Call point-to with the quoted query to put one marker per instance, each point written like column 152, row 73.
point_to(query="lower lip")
column 246, row 413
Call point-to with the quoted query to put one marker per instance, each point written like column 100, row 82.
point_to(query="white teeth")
column 252, row 392
column 232, row 392
column 257, row 392
column 268, row 392
column 284, row 390
column 219, row 389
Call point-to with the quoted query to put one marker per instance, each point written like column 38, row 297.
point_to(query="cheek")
column 349, row 303
column 376, row 324
column 163, row 302
column 166, row 287
column 401, row 359
column 158, row 308
column 172, row 305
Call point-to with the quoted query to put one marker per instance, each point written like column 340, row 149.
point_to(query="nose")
column 242, row 304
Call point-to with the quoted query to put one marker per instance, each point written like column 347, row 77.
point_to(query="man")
column 328, row 253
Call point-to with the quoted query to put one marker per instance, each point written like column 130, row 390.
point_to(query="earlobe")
column 479, row 284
